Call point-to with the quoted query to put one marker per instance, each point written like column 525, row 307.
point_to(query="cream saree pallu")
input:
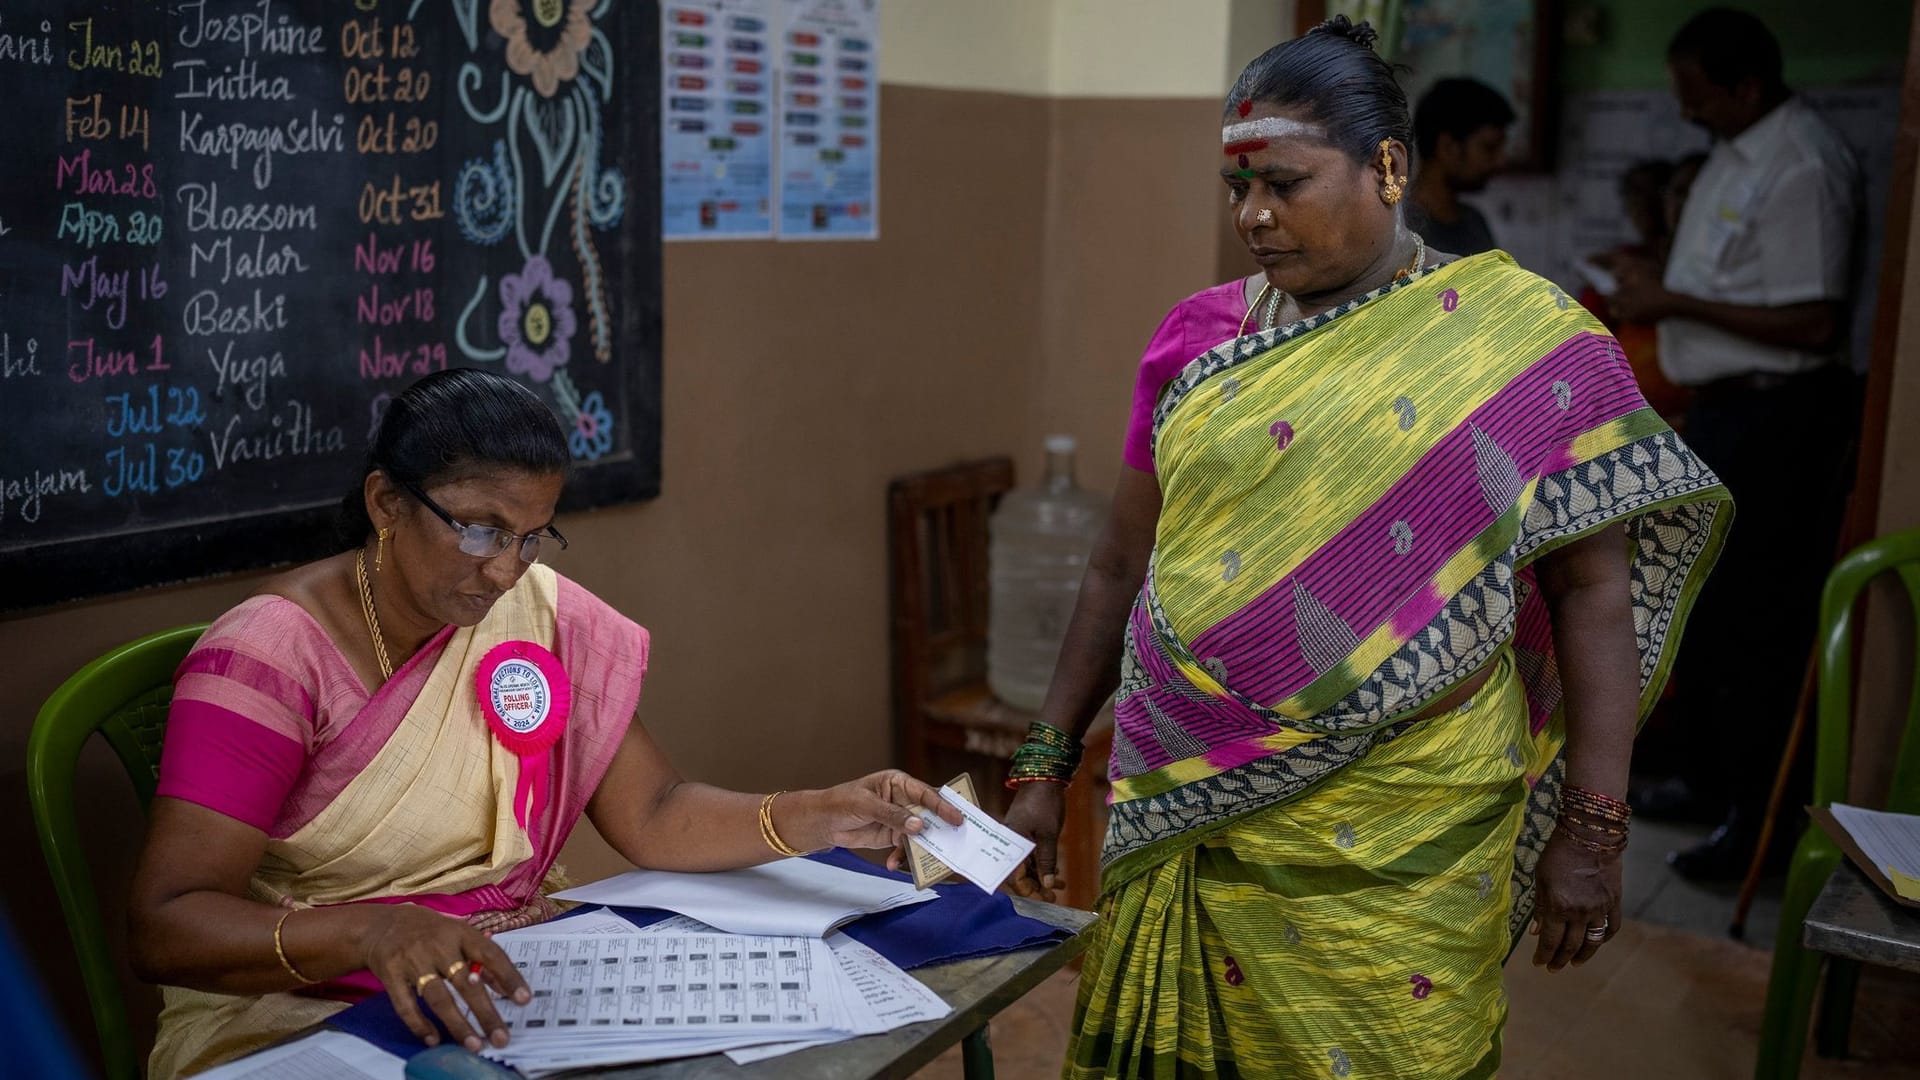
column 438, row 816
column 1297, row 879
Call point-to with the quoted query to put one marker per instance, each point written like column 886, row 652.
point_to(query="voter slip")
column 979, row 849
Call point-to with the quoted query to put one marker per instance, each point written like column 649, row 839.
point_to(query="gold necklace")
column 1269, row 317
column 373, row 620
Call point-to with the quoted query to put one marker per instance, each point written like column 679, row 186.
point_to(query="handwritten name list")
column 232, row 230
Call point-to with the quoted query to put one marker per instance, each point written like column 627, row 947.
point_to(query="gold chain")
column 373, row 620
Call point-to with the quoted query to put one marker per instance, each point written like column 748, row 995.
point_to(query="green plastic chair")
column 123, row 696
column 1796, row 969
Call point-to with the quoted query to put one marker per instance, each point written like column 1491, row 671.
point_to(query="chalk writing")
column 94, row 362
column 240, row 81
column 234, row 139
column 131, row 58
column 259, row 29
column 205, row 212
column 207, row 313
column 289, row 432
column 25, row 492
column 27, row 47
column 250, row 265
column 20, row 365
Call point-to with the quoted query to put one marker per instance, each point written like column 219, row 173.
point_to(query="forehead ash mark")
column 1264, row 129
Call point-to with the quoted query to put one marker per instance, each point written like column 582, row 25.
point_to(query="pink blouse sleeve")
column 1166, row 354
column 242, row 719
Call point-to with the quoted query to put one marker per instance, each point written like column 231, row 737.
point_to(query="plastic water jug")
column 1040, row 540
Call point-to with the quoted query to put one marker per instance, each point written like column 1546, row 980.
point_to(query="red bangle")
column 1014, row 782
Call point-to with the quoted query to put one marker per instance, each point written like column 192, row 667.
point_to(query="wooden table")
column 977, row 990
column 1854, row 920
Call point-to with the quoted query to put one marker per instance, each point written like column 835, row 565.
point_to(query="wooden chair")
column 946, row 720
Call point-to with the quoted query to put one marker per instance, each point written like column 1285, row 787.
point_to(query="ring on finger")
column 420, row 984
column 454, row 969
column 1599, row 933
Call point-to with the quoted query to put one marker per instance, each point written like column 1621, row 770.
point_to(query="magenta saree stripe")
column 1446, row 474
column 219, row 759
column 1345, row 575
column 369, row 723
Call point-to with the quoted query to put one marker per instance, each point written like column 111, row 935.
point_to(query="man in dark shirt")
column 1460, row 129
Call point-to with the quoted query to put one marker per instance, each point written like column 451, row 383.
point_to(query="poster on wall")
column 717, row 87
column 829, row 120
column 1498, row 42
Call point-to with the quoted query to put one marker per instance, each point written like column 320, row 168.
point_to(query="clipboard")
column 1825, row 819
column 928, row 870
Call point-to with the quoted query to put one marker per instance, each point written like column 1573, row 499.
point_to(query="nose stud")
column 1264, row 217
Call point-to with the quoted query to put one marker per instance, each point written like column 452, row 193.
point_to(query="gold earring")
column 380, row 549
column 1391, row 191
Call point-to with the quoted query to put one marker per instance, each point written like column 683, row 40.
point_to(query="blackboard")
column 231, row 230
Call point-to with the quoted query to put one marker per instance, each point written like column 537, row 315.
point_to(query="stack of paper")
column 1885, row 846
column 324, row 1055
column 605, row 993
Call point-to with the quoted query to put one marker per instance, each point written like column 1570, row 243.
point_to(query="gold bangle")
column 772, row 835
column 281, row 951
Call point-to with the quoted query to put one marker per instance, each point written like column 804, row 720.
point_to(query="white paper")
column 670, row 983
column 1889, row 840
column 325, row 1055
column 888, row 998
column 678, row 924
column 980, row 849
column 631, row 1052
column 598, row 922
column 792, row 896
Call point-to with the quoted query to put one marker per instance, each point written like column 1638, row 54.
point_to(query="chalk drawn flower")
column 592, row 434
column 544, row 38
column 536, row 319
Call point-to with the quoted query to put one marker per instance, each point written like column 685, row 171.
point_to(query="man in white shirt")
column 1753, row 315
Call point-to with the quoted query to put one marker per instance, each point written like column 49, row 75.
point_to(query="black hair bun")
column 1362, row 33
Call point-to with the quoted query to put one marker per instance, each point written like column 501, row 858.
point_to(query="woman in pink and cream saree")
column 374, row 761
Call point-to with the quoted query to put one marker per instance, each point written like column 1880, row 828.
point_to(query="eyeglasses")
column 488, row 541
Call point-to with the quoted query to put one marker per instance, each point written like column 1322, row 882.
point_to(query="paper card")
column 980, row 849
column 928, row 870
column 1907, row 888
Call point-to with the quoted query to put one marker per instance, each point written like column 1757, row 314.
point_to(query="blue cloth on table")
column 963, row 924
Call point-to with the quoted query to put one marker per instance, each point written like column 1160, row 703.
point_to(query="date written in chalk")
column 979, row 849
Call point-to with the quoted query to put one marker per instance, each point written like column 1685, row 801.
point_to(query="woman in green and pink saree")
column 1399, row 566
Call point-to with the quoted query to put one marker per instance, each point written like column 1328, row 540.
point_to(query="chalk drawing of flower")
column 592, row 434
column 544, row 38
column 536, row 319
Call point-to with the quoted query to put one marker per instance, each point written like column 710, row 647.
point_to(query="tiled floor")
column 1672, row 998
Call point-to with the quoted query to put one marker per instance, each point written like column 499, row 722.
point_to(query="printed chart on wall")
column 830, row 120
column 231, row 232
column 770, row 104
column 717, row 101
